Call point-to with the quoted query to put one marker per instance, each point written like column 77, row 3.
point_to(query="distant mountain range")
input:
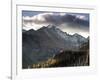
column 46, row 42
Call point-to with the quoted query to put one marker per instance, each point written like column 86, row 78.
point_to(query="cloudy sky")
column 67, row 22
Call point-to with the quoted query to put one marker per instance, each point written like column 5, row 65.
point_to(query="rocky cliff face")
column 45, row 43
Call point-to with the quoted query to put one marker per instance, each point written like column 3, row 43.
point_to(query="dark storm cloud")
column 58, row 19
column 73, row 19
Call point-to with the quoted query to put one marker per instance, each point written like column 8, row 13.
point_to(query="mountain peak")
column 51, row 26
column 76, row 34
column 31, row 31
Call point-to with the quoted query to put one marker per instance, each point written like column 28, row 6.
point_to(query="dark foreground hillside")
column 64, row 59
column 67, row 59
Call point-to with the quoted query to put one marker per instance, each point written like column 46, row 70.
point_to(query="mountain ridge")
column 46, row 42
